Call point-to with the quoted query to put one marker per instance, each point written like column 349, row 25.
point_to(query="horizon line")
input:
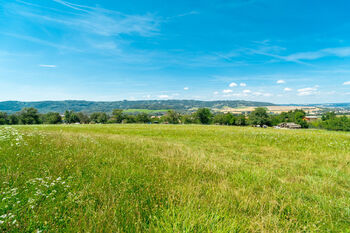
column 33, row 101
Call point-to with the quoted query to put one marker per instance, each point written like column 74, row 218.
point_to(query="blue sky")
column 265, row 50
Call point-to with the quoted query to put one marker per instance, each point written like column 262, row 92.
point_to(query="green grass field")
column 173, row 178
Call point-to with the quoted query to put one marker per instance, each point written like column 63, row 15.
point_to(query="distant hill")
column 325, row 105
column 103, row 106
column 334, row 105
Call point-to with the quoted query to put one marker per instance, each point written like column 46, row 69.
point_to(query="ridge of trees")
column 108, row 107
column 259, row 116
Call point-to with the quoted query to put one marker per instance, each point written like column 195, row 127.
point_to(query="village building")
column 289, row 125
column 311, row 118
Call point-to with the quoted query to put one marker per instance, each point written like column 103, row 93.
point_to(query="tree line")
column 331, row 121
column 258, row 117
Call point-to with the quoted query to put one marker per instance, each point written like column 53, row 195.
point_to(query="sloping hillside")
column 92, row 106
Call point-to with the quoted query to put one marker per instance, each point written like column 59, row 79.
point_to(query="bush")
column 259, row 117
column 29, row 116
column 204, row 115
column 52, row 118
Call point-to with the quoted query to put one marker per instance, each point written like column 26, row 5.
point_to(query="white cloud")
column 243, row 84
column 247, row 91
column 307, row 91
column 346, row 83
column 48, row 66
column 186, row 88
column 163, row 96
column 216, row 93
column 280, row 82
column 227, row 91
column 287, row 89
column 233, row 85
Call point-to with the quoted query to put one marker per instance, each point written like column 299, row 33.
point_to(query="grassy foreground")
column 166, row 178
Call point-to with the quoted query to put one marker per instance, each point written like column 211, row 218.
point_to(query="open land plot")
column 173, row 178
column 272, row 109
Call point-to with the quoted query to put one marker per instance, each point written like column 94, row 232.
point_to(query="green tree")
column 3, row 118
column 103, row 118
column 99, row 117
column 52, row 118
column 276, row 119
column 219, row 119
column 143, row 117
column 117, row 116
column 259, row 117
column 29, row 116
column 241, row 120
column 337, row 123
column 224, row 119
column 129, row 119
column 204, row 115
column 328, row 116
column 299, row 118
column 71, row 117
column 83, row 118
column 188, row 119
column 172, row 117
column 13, row 119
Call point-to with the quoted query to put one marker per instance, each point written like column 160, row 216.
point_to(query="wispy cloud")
column 248, row 94
column 227, row 91
column 243, row 84
column 100, row 21
column 346, row 83
column 183, row 15
column 233, row 84
column 301, row 57
column 73, row 6
column 47, row 66
column 40, row 41
column 276, row 56
column 337, row 52
column 280, row 81
column 163, row 96
column 307, row 91
column 186, row 88
column 287, row 89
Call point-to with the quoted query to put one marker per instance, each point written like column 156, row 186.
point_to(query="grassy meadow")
column 173, row 178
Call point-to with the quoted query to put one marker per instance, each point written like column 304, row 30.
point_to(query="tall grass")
column 167, row 178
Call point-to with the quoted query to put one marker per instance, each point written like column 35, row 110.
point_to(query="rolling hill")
column 104, row 106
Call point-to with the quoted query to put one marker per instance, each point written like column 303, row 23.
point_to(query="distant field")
column 273, row 109
column 166, row 178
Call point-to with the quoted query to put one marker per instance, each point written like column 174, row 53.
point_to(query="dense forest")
column 259, row 118
column 107, row 107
